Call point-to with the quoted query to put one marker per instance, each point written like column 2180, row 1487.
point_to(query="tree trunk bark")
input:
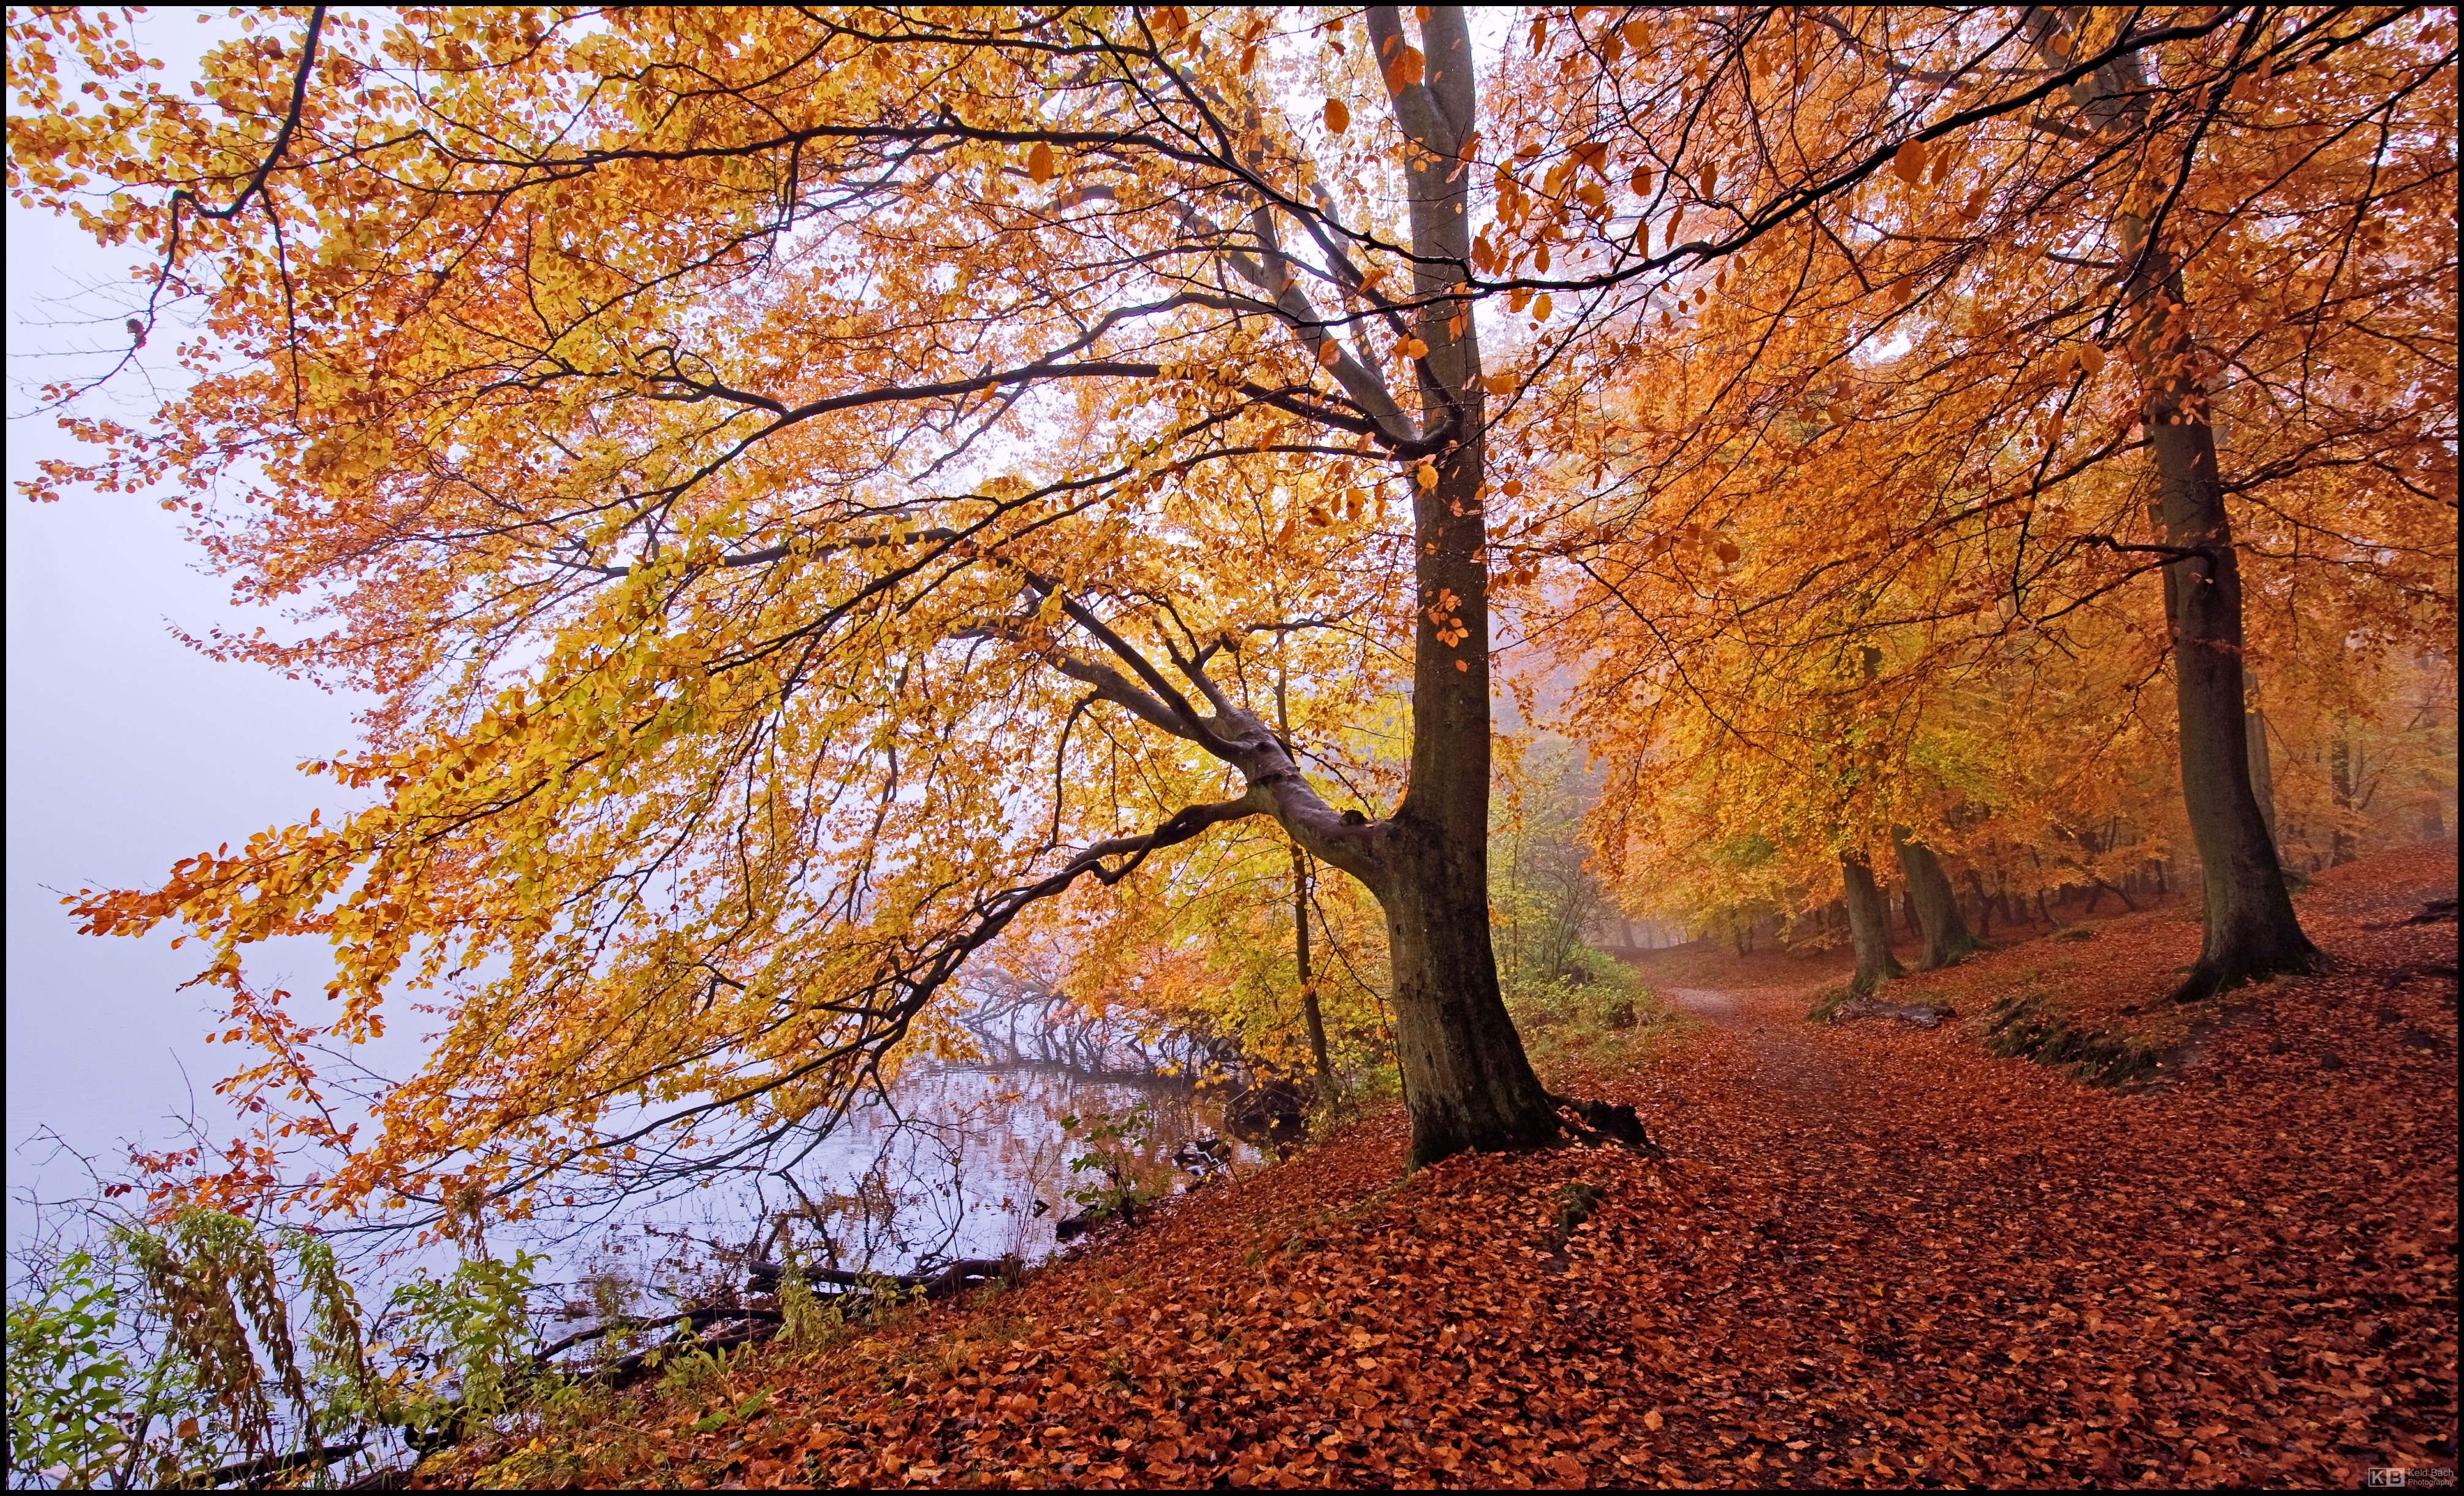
column 1470, row 1083
column 1947, row 936
column 2252, row 930
column 1309, row 1012
column 2262, row 768
column 2339, row 771
column 1983, row 906
column 1869, row 927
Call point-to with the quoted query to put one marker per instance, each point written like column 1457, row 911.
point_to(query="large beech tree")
column 784, row 473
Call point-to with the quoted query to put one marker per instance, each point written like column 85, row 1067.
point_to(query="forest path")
column 1991, row 1274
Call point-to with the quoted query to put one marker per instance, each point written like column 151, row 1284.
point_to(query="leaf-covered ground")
column 1875, row 1256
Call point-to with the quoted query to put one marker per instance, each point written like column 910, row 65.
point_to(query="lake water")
column 954, row 1166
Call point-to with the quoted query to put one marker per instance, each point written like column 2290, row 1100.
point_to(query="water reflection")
column 957, row 1162
column 960, row 1162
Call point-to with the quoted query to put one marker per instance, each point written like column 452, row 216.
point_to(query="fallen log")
column 622, row 1322
column 952, row 1277
column 1925, row 1017
column 265, row 1468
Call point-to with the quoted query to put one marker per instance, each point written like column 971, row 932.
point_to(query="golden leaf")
column 1038, row 163
column 1338, row 118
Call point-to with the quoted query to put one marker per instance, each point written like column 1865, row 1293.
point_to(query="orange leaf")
column 1909, row 162
column 1039, row 163
column 1338, row 118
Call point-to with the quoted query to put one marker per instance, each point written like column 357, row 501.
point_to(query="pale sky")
column 127, row 751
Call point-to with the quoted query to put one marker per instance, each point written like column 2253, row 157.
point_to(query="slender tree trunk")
column 1309, row 1011
column 1310, row 1015
column 1947, row 936
column 2340, row 768
column 2262, row 768
column 1869, row 927
column 1983, row 906
column 2252, row 929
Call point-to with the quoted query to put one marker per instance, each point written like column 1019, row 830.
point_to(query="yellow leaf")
column 1426, row 474
column 1039, row 163
column 1540, row 308
column 1414, row 348
column 1338, row 118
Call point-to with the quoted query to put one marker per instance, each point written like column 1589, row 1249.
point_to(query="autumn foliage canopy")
column 821, row 496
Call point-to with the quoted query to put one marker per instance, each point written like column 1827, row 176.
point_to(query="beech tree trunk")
column 1869, row 927
column 2252, row 930
column 1947, row 936
column 2340, row 777
column 1983, row 906
column 2262, row 770
column 1468, row 1083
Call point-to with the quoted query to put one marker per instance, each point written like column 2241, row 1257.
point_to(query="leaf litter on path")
column 1875, row 1257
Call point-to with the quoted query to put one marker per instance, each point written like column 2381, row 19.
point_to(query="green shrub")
column 67, row 1379
column 475, row 1322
